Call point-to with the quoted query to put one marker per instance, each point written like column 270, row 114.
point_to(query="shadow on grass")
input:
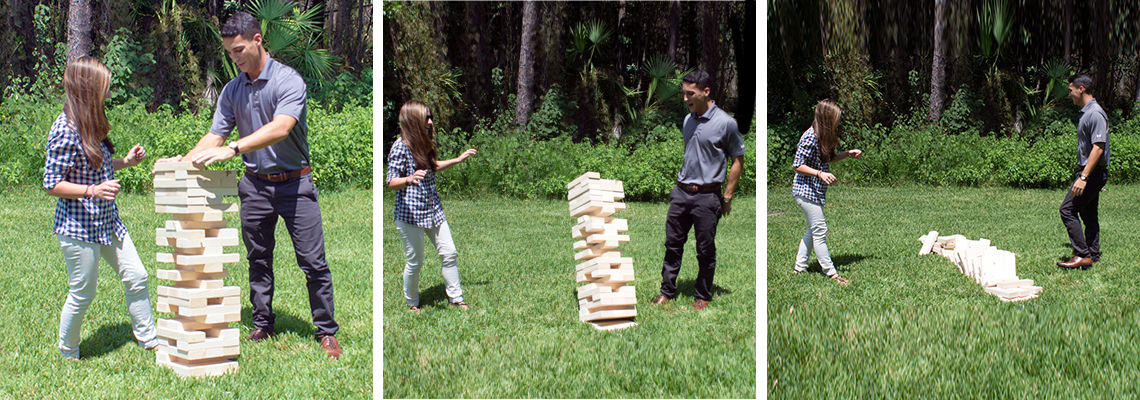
column 436, row 296
column 106, row 340
column 283, row 322
column 840, row 261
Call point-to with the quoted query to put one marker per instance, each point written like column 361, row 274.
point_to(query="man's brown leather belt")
column 282, row 176
column 697, row 189
column 1096, row 167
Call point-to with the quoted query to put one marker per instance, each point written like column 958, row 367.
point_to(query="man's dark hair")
column 1084, row 80
column 243, row 24
column 699, row 77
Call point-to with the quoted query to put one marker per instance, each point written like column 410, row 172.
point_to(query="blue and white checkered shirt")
column 88, row 220
column 419, row 204
column 807, row 152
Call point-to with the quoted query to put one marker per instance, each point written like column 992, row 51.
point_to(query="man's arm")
column 1094, row 157
column 210, row 151
column 730, row 187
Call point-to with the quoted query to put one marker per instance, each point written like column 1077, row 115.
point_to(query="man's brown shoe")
column 660, row 299
column 259, row 334
column 700, row 305
column 331, row 346
column 1076, row 262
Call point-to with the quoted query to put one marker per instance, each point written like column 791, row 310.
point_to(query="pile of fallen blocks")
column 605, row 301
column 995, row 270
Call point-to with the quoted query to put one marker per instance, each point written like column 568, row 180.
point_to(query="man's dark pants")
column 295, row 201
column 1074, row 209
column 691, row 210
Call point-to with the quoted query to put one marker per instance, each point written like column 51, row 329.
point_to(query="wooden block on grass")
column 928, row 242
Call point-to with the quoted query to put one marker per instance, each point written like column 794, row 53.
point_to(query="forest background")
column 956, row 92
column 548, row 90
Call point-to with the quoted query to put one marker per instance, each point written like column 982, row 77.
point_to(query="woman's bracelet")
column 85, row 192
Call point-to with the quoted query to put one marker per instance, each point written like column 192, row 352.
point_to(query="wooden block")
column 200, row 354
column 612, row 324
column 184, row 225
column 223, row 207
column 928, row 242
column 588, row 290
column 178, row 166
column 584, row 177
column 186, row 201
column 206, row 259
column 188, row 324
column 208, row 310
column 181, row 335
column 200, row 284
column 173, row 302
column 1015, row 283
column 188, row 294
column 1017, row 298
column 210, row 193
column 598, row 209
column 179, row 275
column 197, row 370
column 207, row 242
column 213, row 215
column 623, row 312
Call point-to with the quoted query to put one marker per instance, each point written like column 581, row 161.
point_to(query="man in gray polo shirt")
column 711, row 137
column 1092, row 164
column 266, row 103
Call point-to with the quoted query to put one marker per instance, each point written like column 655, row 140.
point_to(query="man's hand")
column 725, row 207
column 135, row 156
column 210, row 156
column 106, row 190
column 1078, row 187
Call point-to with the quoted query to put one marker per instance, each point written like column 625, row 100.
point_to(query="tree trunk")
column 619, row 103
column 743, row 43
column 710, row 46
column 526, row 65
column 674, row 25
column 1068, row 32
column 78, row 29
column 938, row 70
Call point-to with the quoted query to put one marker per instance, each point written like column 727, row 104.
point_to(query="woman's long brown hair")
column 826, row 126
column 85, row 83
column 416, row 132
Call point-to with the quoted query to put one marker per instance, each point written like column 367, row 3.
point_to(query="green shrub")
column 340, row 143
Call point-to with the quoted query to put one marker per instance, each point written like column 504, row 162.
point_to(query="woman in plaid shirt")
column 813, row 154
column 79, row 170
column 412, row 166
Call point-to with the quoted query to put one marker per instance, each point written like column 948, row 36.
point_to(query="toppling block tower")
column 605, row 301
column 198, row 340
column 995, row 270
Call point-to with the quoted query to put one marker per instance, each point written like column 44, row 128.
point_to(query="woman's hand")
column 468, row 153
column 106, row 190
column 854, row 153
column 827, row 177
column 135, row 156
column 415, row 178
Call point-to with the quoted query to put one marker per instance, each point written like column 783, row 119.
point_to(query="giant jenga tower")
column 198, row 340
column 605, row 301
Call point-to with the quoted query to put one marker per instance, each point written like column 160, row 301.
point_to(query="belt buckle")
column 278, row 177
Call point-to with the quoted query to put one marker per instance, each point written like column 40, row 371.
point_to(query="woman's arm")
column 827, row 177
column 106, row 190
column 133, row 158
column 445, row 164
column 413, row 179
column 853, row 153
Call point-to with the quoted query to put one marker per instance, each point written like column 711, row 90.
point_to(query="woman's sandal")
column 838, row 279
column 461, row 305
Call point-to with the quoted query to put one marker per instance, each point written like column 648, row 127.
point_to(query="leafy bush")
column 510, row 163
column 340, row 144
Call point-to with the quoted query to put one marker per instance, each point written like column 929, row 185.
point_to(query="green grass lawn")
column 912, row 325
column 291, row 365
column 522, row 337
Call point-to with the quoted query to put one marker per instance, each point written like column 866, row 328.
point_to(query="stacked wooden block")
column 995, row 270
column 605, row 301
column 198, row 340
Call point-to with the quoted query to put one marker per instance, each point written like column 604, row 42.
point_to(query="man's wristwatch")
column 233, row 145
column 1082, row 176
column 727, row 200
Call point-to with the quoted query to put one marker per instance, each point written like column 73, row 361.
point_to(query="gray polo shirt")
column 710, row 140
column 1092, row 128
column 278, row 90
